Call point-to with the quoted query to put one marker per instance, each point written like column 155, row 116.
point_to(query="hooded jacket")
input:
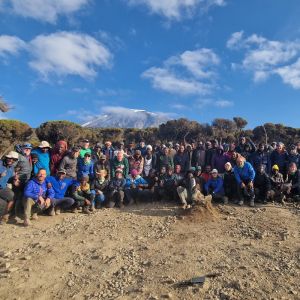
column 56, row 157
column 245, row 173
column 60, row 186
column 34, row 189
column 43, row 159
column 219, row 160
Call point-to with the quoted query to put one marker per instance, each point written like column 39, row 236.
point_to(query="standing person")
column 279, row 157
column 96, row 153
column 164, row 160
column 120, row 162
column 43, row 153
column 85, row 167
column 172, row 151
column 142, row 147
column 181, row 159
column 149, row 161
column 102, row 164
column 261, row 157
column 137, row 162
column 130, row 150
column 198, row 158
column 59, row 152
column 85, row 148
column 109, row 151
column 60, row 185
column 7, row 172
column 69, row 163
column 26, row 151
column 245, row 145
column 244, row 176
column 189, row 154
column 37, row 196
column 219, row 160
column 209, row 152
column 293, row 156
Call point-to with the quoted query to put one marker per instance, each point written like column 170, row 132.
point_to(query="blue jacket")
column 44, row 160
column 215, row 184
column 34, row 189
column 85, row 169
column 9, row 173
column 138, row 180
column 261, row 158
column 60, row 186
column 245, row 173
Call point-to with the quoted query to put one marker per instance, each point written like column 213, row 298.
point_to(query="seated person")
column 149, row 192
column 277, row 184
column 229, row 183
column 244, row 176
column 83, row 195
column 292, row 182
column 214, row 186
column 38, row 196
column 262, row 184
column 188, row 192
column 7, row 173
column 116, row 189
column 100, row 186
column 60, row 185
column 160, row 191
column 134, row 185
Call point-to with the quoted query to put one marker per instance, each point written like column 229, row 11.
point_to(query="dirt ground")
column 145, row 252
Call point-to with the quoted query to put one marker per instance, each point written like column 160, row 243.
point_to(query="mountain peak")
column 127, row 118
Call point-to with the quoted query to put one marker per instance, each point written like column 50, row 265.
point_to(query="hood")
column 61, row 143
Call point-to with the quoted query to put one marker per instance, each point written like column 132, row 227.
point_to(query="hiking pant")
column 132, row 194
column 246, row 191
column 116, row 197
column 64, row 203
column 7, row 194
column 99, row 199
column 185, row 198
column 30, row 206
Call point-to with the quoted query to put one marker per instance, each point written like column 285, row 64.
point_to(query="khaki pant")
column 28, row 204
column 196, row 195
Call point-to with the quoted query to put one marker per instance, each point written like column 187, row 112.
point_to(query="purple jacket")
column 34, row 189
column 219, row 160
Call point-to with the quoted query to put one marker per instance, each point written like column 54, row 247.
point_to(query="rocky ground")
column 147, row 250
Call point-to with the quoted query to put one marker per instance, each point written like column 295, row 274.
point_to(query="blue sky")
column 200, row 59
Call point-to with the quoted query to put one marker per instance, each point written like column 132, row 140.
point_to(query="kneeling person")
column 214, row 186
column 38, row 196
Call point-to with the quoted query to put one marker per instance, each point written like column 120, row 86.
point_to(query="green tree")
column 53, row 131
column 13, row 132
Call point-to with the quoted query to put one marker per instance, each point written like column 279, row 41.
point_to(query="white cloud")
column 190, row 73
column 201, row 103
column 176, row 9
column 223, row 103
column 45, row 10
column 265, row 58
column 66, row 53
column 10, row 45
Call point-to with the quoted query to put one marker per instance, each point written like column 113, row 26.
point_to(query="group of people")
column 48, row 180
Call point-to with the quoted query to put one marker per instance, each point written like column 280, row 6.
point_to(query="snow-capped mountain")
column 127, row 118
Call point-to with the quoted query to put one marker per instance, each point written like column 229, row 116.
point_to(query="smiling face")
column 9, row 161
column 41, row 175
column 27, row 151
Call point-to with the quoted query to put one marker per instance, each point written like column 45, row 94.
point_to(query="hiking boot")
column 251, row 203
column 282, row 199
column 74, row 210
column 131, row 202
column 57, row 211
column 241, row 203
column 34, row 216
column 26, row 222
column 225, row 199
column 121, row 205
column 86, row 211
column 52, row 212
column 4, row 219
column 93, row 209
